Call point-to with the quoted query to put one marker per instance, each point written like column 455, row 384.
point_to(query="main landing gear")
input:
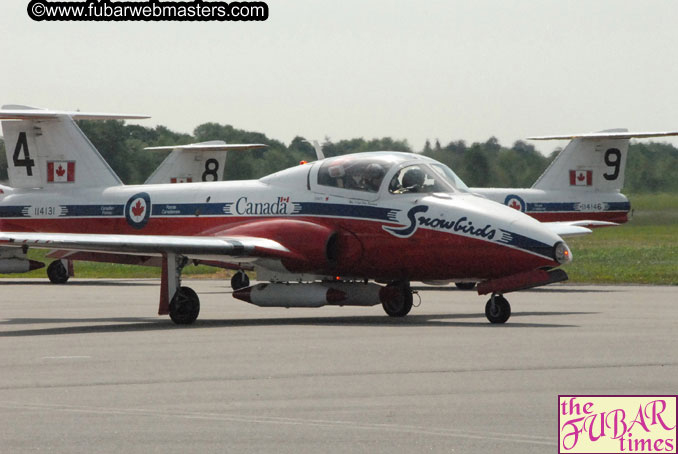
column 497, row 309
column 396, row 299
column 181, row 303
column 185, row 306
column 57, row 272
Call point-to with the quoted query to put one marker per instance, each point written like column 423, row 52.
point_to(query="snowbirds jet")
column 329, row 232
column 582, row 183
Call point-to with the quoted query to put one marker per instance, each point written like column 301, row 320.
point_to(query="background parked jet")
column 582, row 183
column 318, row 233
column 191, row 163
column 196, row 162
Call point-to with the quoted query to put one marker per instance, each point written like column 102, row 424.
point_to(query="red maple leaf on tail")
column 60, row 171
column 138, row 209
column 581, row 177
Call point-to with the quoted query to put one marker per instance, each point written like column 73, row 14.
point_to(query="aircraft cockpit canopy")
column 367, row 173
column 355, row 173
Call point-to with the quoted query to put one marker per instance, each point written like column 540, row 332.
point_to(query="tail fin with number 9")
column 594, row 161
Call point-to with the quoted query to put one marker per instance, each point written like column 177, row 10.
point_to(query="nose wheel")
column 497, row 309
column 396, row 299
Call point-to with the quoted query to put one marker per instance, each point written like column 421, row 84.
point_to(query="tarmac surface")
column 87, row 367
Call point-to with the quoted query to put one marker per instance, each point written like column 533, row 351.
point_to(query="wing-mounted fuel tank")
column 312, row 246
column 314, row 294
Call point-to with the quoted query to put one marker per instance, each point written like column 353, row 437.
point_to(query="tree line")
column 651, row 166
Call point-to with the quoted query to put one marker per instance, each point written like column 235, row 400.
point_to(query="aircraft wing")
column 14, row 112
column 575, row 228
column 214, row 145
column 612, row 134
column 230, row 246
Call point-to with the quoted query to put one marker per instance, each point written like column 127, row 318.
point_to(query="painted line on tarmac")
column 493, row 436
column 66, row 357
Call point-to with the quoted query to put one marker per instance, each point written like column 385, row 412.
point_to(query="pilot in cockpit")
column 374, row 174
column 412, row 181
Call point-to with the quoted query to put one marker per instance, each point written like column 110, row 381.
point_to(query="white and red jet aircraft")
column 318, row 233
column 582, row 183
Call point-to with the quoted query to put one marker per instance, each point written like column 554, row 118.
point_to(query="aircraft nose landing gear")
column 497, row 309
column 396, row 299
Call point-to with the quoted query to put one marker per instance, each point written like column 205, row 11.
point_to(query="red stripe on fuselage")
column 620, row 217
column 427, row 255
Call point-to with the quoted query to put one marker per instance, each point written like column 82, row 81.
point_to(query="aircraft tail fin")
column 592, row 161
column 204, row 161
column 46, row 148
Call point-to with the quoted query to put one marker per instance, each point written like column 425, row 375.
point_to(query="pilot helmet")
column 413, row 177
column 375, row 171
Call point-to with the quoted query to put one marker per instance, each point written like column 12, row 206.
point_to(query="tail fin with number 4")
column 46, row 148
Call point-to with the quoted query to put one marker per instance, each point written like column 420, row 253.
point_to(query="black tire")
column 400, row 304
column 184, row 307
column 501, row 311
column 465, row 285
column 240, row 280
column 57, row 272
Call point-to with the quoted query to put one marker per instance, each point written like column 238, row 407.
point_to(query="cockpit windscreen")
column 357, row 174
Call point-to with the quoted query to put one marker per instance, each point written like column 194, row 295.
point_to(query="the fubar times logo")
column 617, row 424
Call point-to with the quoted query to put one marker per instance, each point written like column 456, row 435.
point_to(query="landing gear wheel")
column 57, row 272
column 465, row 285
column 498, row 311
column 184, row 307
column 240, row 280
column 397, row 300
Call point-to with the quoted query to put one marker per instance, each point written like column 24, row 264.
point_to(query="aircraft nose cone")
column 544, row 241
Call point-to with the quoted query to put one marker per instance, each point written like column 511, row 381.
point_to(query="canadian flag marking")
column 61, row 171
column 581, row 177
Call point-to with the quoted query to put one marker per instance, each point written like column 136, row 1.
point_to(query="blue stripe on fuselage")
column 573, row 206
column 345, row 211
column 91, row 210
column 526, row 243
column 192, row 209
column 14, row 211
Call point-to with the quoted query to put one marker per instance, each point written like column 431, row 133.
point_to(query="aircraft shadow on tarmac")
column 535, row 290
column 92, row 283
column 130, row 324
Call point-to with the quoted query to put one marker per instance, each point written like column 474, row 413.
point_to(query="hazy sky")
column 407, row 69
